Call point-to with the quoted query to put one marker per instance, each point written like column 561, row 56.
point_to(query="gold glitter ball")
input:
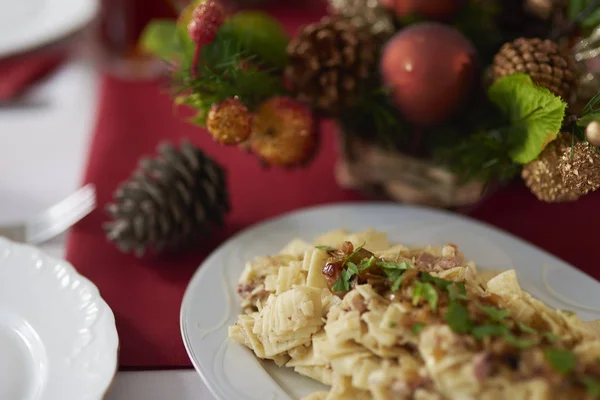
column 229, row 122
column 543, row 177
column 592, row 133
column 579, row 166
column 283, row 132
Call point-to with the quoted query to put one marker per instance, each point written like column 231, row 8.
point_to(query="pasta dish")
column 375, row 320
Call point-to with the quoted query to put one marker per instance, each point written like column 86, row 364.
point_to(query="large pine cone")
column 168, row 202
column 327, row 61
column 542, row 60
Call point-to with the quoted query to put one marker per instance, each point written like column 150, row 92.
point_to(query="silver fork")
column 55, row 220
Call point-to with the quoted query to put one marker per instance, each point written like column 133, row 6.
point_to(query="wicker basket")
column 401, row 177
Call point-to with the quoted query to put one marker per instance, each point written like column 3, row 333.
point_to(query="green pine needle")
column 225, row 70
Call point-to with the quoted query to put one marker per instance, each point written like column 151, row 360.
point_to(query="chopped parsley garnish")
column 418, row 327
column 352, row 268
column 458, row 318
column 480, row 332
column 394, row 271
column 568, row 312
column 394, row 265
column 355, row 252
column 551, row 337
column 393, row 324
column 520, row 342
column 367, row 263
column 494, row 313
column 326, row 248
column 441, row 283
column 526, row 329
column 592, row 385
column 343, row 283
column 561, row 360
column 457, row 291
column 424, row 290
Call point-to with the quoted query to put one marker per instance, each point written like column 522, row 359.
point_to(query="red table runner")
column 146, row 294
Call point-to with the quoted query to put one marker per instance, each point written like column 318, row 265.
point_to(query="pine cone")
column 327, row 60
column 580, row 167
column 542, row 60
column 168, row 202
column 366, row 14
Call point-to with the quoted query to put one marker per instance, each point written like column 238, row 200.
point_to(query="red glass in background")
column 118, row 29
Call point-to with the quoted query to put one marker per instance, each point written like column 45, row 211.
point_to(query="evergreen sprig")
column 225, row 70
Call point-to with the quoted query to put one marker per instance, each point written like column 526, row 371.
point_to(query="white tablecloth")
column 42, row 157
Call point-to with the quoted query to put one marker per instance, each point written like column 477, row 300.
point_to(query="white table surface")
column 42, row 158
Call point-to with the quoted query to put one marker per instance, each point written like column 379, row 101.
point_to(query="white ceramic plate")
column 211, row 304
column 58, row 339
column 27, row 24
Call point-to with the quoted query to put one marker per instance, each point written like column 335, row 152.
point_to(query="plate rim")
column 69, row 28
column 107, row 314
column 199, row 272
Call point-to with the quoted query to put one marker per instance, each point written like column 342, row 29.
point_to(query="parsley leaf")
column 457, row 291
column 393, row 324
column 525, row 329
column 418, row 327
column 340, row 285
column 592, row 385
column 494, row 313
column 479, row 332
column 561, row 360
column 394, row 275
column 367, row 263
column 458, row 318
column 326, row 248
column 520, row 343
column 352, row 268
column 441, row 283
column 355, row 252
column 551, row 337
column 394, row 265
column 424, row 290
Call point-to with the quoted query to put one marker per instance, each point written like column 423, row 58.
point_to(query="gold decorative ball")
column 592, row 133
column 229, row 122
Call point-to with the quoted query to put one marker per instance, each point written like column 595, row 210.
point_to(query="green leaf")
column 355, row 252
column 340, row 285
column 395, row 276
column 159, row 39
column 457, row 291
column 551, row 337
column 494, row 313
column 424, row 290
column 326, row 248
column 561, row 360
column 352, row 268
column 394, row 265
column 591, row 20
column 526, row 329
column 535, row 115
column 519, row 342
column 592, row 385
column 441, row 283
column 367, row 263
column 259, row 34
column 418, row 327
column 458, row 319
column 393, row 324
column 575, row 7
column 479, row 332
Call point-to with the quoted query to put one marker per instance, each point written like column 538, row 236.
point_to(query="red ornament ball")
column 430, row 69
column 207, row 18
column 431, row 9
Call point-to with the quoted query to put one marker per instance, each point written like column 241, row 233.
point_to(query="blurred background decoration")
column 435, row 102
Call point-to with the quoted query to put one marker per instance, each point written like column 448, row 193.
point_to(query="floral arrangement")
column 484, row 90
